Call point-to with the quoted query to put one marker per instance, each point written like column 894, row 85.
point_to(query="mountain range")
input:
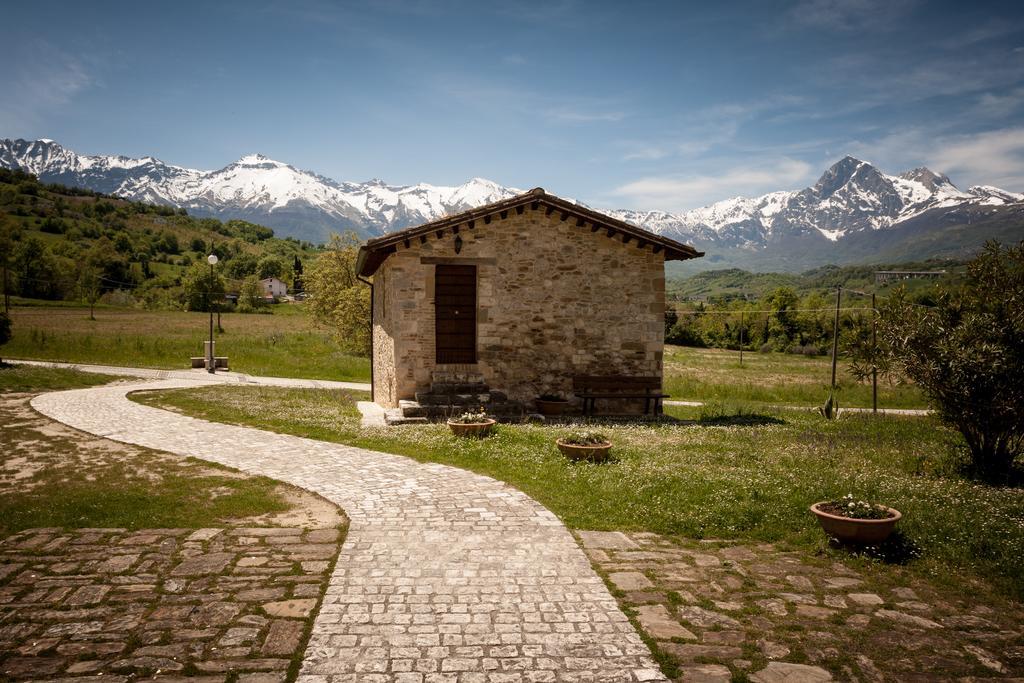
column 855, row 213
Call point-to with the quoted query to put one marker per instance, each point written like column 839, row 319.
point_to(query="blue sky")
column 666, row 105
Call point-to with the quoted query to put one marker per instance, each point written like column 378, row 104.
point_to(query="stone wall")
column 384, row 386
column 553, row 300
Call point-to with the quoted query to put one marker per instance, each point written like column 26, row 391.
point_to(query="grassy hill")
column 143, row 251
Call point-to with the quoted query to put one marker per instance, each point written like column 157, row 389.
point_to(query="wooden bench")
column 592, row 387
column 219, row 362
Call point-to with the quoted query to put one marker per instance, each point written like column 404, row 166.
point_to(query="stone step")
column 507, row 410
column 394, row 416
column 412, row 409
column 425, row 398
column 428, row 398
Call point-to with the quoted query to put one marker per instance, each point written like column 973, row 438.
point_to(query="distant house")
column 273, row 288
column 527, row 295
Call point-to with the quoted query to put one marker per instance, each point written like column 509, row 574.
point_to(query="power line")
column 771, row 311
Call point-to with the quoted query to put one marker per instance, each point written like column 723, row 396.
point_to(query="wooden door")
column 455, row 313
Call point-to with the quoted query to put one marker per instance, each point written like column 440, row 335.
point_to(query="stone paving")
column 445, row 576
column 720, row 610
column 214, row 603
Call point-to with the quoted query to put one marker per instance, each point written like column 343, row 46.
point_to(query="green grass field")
column 116, row 496
column 287, row 344
column 74, row 487
column 26, row 378
column 718, row 474
column 772, row 378
column 284, row 344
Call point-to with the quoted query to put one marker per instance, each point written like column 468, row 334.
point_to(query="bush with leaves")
column 337, row 299
column 250, row 297
column 967, row 355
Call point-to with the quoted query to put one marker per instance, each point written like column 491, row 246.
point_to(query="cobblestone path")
column 717, row 609
column 121, row 604
column 445, row 576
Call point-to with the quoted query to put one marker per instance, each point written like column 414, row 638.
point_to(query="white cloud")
column 34, row 87
column 708, row 129
column 998, row 106
column 993, row 157
column 678, row 193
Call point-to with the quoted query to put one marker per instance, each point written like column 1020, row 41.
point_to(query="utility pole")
column 874, row 355
column 7, row 290
column 835, row 335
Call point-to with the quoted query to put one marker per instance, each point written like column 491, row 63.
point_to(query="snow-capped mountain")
column 853, row 213
column 295, row 202
column 850, row 197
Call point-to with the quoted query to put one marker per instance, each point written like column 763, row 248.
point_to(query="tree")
column 297, row 284
column 783, row 325
column 123, row 243
column 5, row 331
column 671, row 317
column 338, row 300
column 90, row 285
column 967, row 355
column 815, row 321
column 6, row 251
column 250, row 296
column 242, row 266
column 271, row 266
column 168, row 243
column 36, row 270
column 114, row 267
column 199, row 291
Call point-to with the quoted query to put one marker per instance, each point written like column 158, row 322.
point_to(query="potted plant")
column 856, row 521
column 551, row 404
column 471, row 423
column 585, row 445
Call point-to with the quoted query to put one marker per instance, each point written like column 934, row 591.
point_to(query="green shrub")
column 967, row 354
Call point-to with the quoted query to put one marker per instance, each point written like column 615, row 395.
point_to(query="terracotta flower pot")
column 860, row 531
column 551, row 408
column 593, row 453
column 474, row 429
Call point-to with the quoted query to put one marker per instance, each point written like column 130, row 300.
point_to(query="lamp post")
column 211, row 361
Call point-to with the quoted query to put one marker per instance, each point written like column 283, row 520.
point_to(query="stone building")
column 522, row 295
